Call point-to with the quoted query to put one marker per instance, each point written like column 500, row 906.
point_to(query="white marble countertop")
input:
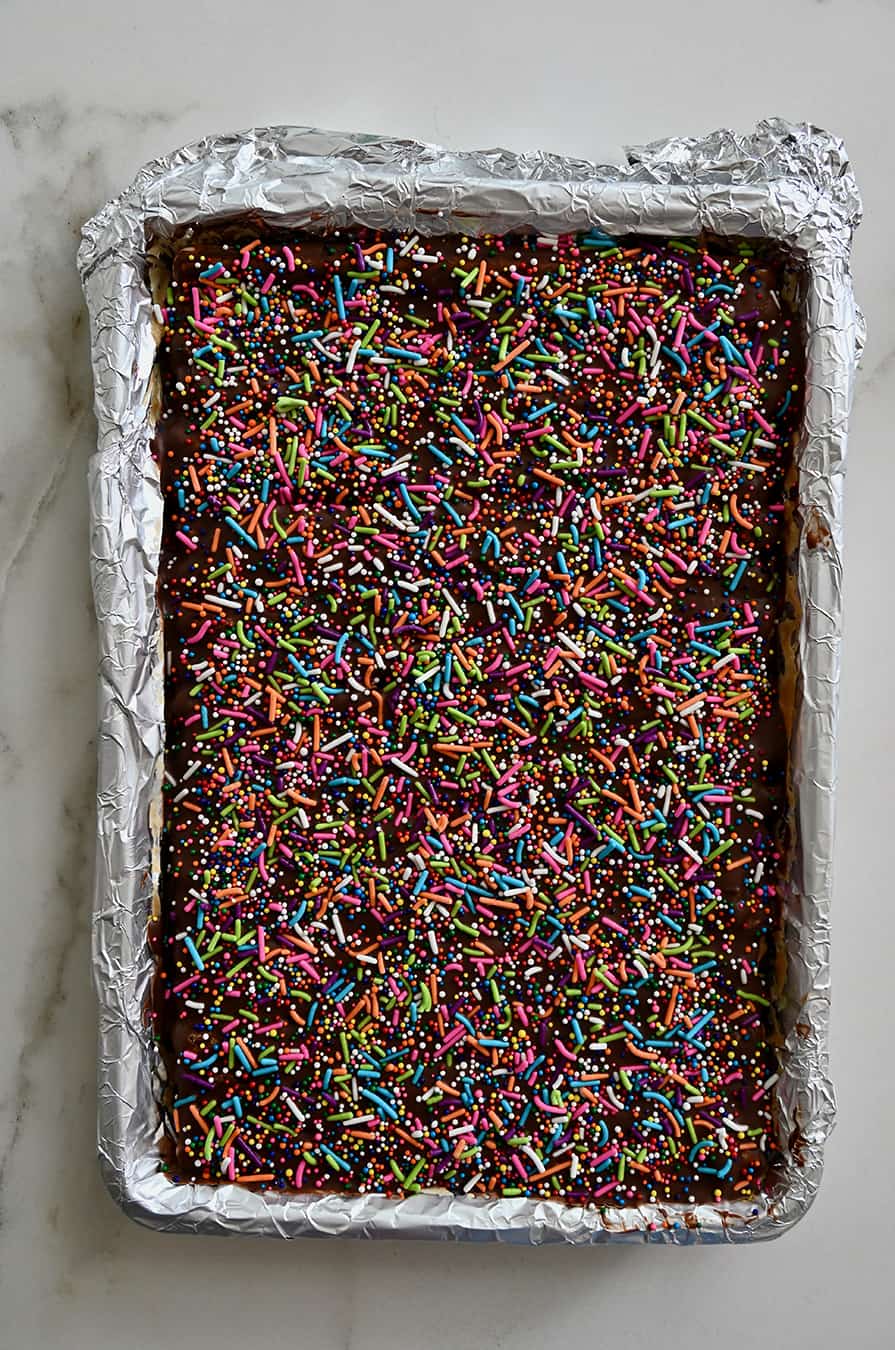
column 91, row 90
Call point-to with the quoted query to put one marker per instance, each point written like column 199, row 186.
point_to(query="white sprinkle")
column 532, row 1156
column 331, row 745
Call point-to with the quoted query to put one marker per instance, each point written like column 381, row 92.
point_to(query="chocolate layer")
column 472, row 574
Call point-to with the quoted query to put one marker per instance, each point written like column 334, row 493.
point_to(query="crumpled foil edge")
column 782, row 181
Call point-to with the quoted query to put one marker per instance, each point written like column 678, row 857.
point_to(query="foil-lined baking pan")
column 786, row 183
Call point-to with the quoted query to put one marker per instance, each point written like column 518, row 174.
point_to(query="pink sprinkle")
column 546, row 1106
column 199, row 635
column 186, row 983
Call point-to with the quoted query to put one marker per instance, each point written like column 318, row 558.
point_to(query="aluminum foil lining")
column 790, row 183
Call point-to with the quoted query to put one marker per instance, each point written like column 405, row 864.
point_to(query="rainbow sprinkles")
column 475, row 805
